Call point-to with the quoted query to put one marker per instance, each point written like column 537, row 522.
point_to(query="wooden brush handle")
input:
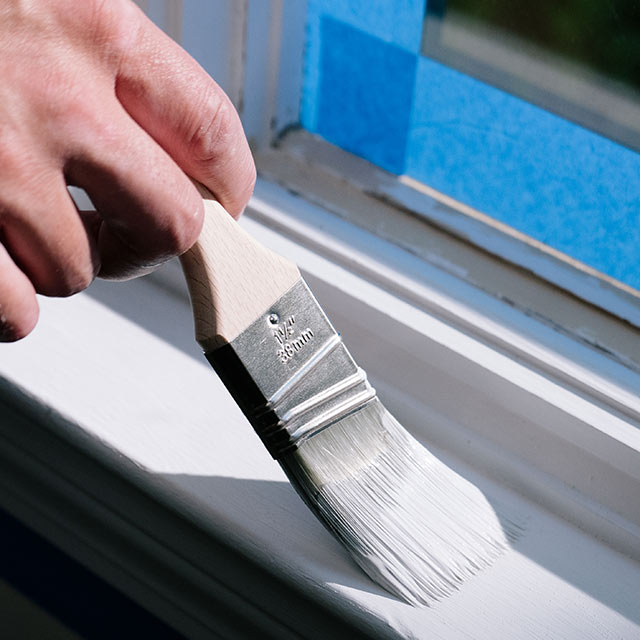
column 232, row 279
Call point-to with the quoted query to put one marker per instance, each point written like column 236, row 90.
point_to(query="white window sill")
column 119, row 444
column 514, row 269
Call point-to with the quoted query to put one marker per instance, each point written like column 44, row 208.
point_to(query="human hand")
column 94, row 95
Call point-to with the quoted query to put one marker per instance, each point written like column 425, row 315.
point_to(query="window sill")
column 494, row 258
column 121, row 446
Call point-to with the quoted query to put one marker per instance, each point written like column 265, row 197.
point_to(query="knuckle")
column 14, row 331
column 185, row 227
column 17, row 324
column 174, row 232
column 221, row 154
column 112, row 24
column 76, row 279
column 213, row 130
column 79, row 280
column 72, row 279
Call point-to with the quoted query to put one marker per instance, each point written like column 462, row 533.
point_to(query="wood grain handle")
column 232, row 278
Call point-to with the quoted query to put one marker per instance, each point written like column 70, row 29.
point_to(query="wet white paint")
column 159, row 405
column 414, row 525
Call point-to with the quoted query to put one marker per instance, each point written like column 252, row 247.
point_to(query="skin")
column 94, row 95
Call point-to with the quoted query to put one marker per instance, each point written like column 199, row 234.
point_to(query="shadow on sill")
column 144, row 302
column 563, row 550
column 553, row 545
column 274, row 517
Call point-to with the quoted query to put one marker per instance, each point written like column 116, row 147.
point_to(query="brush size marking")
column 289, row 343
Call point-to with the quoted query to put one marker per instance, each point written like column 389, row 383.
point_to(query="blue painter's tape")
column 395, row 21
column 365, row 94
column 563, row 185
column 553, row 180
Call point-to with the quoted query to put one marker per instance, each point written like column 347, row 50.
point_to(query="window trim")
column 535, row 74
column 562, row 374
column 557, row 414
column 511, row 267
column 283, row 95
column 83, row 478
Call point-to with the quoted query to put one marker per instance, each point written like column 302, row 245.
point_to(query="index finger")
column 169, row 94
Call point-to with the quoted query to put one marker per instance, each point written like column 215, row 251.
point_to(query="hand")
column 92, row 94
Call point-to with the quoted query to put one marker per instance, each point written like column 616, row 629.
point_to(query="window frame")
column 114, row 483
column 275, row 53
column 593, row 347
column 557, row 412
column 536, row 75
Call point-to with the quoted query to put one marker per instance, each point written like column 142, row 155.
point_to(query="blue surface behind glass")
column 365, row 94
column 368, row 91
column 555, row 181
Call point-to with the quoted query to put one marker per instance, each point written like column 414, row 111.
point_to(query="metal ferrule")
column 290, row 373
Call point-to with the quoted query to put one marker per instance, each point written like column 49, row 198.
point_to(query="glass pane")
column 527, row 112
column 577, row 58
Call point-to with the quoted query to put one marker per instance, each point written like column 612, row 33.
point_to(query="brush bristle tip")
column 410, row 522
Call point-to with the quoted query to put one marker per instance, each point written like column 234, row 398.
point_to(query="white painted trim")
column 567, row 398
column 262, row 60
column 309, row 165
column 128, row 453
column 517, row 248
column 447, row 297
column 214, row 33
column 273, row 69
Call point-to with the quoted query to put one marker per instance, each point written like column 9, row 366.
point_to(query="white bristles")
column 414, row 525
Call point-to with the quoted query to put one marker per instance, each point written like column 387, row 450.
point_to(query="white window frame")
column 304, row 163
column 532, row 411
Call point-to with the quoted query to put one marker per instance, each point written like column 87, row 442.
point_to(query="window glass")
column 526, row 112
column 577, row 58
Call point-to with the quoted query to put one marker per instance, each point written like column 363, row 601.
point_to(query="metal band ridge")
column 290, row 372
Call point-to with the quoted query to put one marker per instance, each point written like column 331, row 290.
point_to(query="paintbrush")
column 413, row 525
